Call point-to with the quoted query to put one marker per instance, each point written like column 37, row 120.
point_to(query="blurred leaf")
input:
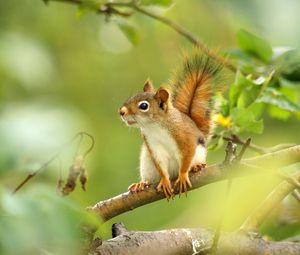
column 92, row 4
column 257, row 109
column 257, row 127
column 277, row 113
column 246, row 63
column 88, row 6
column 130, row 32
column 249, row 95
column 157, row 2
column 113, row 39
column 217, row 145
column 244, row 120
column 254, row 45
column 238, row 54
column 240, row 83
column 288, row 63
column 274, row 97
column 222, row 104
column 41, row 221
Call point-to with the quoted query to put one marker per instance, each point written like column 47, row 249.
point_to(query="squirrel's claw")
column 165, row 186
column 183, row 181
column 198, row 167
column 139, row 186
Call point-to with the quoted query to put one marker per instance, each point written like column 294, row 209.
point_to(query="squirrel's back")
column 193, row 88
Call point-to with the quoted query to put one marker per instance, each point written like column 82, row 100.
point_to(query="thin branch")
column 253, row 222
column 127, row 201
column 191, row 241
column 55, row 156
column 296, row 195
column 290, row 179
column 231, row 157
column 261, row 150
column 110, row 8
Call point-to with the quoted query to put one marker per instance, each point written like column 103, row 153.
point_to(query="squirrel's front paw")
column 165, row 186
column 135, row 187
column 183, row 181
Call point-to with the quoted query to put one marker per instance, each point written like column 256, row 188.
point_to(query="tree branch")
column 110, row 8
column 261, row 150
column 127, row 201
column 191, row 241
column 253, row 222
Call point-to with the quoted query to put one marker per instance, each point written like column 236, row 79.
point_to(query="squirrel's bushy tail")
column 193, row 88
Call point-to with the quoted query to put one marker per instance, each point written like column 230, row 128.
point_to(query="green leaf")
column 217, row 145
column 257, row 127
column 244, row 120
column 287, row 62
column 249, row 96
column 274, row 97
column 277, row 113
column 254, row 45
column 240, row 83
column 222, row 104
column 164, row 3
column 130, row 32
column 88, row 6
column 92, row 4
column 257, row 109
column 250, row 93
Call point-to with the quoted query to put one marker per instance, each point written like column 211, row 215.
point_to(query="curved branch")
column 261, row 150
column 127, row 201
column 192, row 241
column 253, row 222
column 110, row 8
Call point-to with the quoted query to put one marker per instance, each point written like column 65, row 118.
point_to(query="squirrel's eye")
column 144, row 106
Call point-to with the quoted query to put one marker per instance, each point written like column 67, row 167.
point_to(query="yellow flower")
column 221, row 120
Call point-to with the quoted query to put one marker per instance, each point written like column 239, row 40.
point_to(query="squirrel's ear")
column 163, row 94
column 148, row 87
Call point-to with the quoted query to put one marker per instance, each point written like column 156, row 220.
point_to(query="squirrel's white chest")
column 164, row 149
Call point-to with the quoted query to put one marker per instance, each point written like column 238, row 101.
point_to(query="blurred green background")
column 61, row 73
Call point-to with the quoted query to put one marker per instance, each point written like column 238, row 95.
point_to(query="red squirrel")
column 175, row 123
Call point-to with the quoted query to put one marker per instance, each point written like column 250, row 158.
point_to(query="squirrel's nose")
column 123, row 110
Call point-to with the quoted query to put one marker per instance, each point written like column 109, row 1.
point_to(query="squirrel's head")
column 148, row 106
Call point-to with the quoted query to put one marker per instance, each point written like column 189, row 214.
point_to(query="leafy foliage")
column 254, row 45
column 41, row 222
column 163, row 3
column 130, row 32
column 257, row 85
column 262, row 82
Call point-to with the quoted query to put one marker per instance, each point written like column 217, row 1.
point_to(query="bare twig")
column 54, row 157
column 230, row 153
column 296, row 195
column 243, row 150
column 127, row 201
column 253, row 222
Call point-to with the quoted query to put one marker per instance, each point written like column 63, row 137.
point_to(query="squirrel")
column 175, row 122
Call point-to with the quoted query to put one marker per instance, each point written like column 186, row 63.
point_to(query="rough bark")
column 127, row 201
column 192, row 241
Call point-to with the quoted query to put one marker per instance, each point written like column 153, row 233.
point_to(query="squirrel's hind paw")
column 139, row 186
column 198, row 167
